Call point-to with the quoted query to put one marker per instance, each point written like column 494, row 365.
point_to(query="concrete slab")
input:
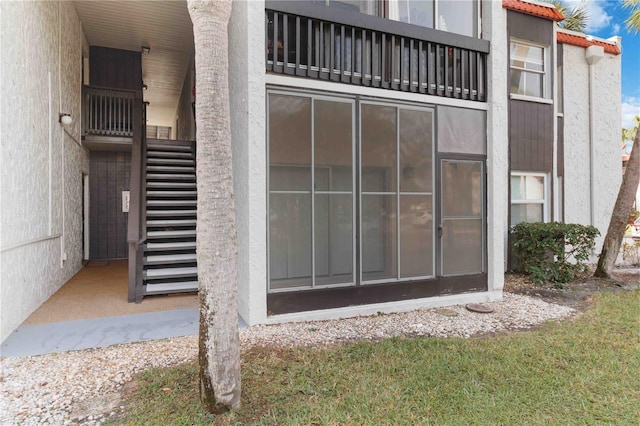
column 40, row 339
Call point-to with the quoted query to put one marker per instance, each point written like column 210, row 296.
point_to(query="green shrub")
column 552, row 252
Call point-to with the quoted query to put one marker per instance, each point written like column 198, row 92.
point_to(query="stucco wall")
column 495, row 29
column 185, row 123
column 248, row 127
column 42, row 162
column 247, row 83
column 606, row 128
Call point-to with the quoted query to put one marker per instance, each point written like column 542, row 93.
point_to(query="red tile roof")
column 541, row 11
column 581, row 40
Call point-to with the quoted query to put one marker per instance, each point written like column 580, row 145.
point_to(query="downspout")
column 593, row 54
column 63, row 248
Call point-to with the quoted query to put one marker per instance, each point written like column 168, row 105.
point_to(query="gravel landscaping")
column 82, row 387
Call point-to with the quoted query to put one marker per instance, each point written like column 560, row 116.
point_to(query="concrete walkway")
column 91, row 310
column 64, row 336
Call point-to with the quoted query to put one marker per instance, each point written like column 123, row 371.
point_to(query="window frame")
column 385, row 9
column 357, row 191
column 435, row 16
column 544, row 201
column 546, row 89
column 313, row 97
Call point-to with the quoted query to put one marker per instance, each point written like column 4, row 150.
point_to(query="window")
column 460, row 16
column 527, row 70
column 528, row 198
column 313, row 219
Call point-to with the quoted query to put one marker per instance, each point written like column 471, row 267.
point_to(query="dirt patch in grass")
column 577, row 294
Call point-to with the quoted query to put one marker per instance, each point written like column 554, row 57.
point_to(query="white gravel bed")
column 57, row 388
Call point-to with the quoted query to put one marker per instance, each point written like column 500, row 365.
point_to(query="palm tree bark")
column 216, row 241
column 620, row 215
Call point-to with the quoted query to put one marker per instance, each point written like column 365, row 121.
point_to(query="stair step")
column 161, row 259
column 174, row 245
column 171, row 185
column 175, row 287
column 169, row 161
column 171, row 154
column 166, row 147
column 170, row 213
column 161, row 177
column 170, row 222
column 165, row 194
column 169, row 169
column 171, row 203
column 184, row 233
column 167, row 273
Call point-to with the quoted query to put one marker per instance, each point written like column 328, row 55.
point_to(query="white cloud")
column 598, row 17
column 616, row 29
column 630, row 108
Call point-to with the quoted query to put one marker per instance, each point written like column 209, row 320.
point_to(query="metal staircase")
column 169, row 262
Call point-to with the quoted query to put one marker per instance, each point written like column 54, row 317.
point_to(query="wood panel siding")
column 530, row 28
column 301, row 301
column 560, row 146
column 109, row 176
column 531, row 136
column 115, row 68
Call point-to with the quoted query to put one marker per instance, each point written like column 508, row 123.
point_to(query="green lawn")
column 584, row 371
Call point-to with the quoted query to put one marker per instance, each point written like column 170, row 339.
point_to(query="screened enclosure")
column 353, row 194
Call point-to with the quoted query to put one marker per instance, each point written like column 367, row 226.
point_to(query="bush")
column 552, row 252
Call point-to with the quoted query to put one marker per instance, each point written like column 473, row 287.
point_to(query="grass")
column 585, row 371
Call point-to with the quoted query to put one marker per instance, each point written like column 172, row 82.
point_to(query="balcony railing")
column 310, row 40
column 108, row 112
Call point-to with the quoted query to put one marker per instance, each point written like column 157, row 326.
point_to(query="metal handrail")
column 108, row 111
column 312, row 41
column 136, row 231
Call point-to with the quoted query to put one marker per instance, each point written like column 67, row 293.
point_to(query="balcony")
column 111, row 117
column 310, row 40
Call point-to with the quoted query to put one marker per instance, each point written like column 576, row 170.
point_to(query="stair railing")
column 108, row 111
column 136, row 234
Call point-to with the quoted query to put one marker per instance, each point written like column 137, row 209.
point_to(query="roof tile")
column 546, row 12
column 579, row 40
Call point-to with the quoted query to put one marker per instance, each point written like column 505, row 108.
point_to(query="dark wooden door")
column 109, row 176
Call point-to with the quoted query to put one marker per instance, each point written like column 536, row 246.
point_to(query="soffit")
column 164, row 26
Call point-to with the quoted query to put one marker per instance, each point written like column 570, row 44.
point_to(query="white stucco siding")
column 248, row 124
column 42, row 164
column 607, row 170
column 249, row 120
column 495, row 28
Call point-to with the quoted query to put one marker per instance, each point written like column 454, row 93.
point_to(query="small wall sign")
column 125, row 201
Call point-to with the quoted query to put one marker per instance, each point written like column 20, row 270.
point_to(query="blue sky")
column 606, row 19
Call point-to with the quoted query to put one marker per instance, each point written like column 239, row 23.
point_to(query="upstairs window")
column 528, row 70
column 460, row 16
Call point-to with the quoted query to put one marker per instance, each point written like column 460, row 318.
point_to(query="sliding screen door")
column 396, row 216
column 311, row 201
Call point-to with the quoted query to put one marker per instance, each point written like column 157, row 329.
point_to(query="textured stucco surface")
column 248, row 124
column 495, row 29
column 606, row 128
column 248, row 114
column 42, row 164
column 185, row 122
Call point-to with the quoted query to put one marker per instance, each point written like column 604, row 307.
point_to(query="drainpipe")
column 593, row 54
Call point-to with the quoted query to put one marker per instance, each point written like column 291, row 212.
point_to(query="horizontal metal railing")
column 108, row 112
column 308, row 41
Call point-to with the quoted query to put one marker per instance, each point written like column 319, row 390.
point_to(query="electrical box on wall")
column 125, row 201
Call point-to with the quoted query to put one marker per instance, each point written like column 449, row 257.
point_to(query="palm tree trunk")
column 216, row 243
column 620, row 215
